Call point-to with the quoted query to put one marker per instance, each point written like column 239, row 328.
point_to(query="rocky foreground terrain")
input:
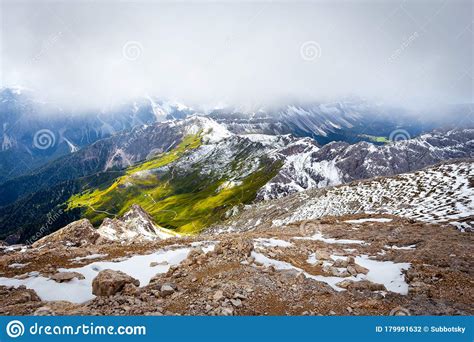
column 348, row 265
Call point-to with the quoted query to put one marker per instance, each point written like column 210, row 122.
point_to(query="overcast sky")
column 243, row 53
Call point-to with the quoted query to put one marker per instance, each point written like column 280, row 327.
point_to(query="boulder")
column 167, row 289
column 64, row 277
column 361, row 269
column 109, row 282
column 322, row 255
column 352, row 270
column 340, row 263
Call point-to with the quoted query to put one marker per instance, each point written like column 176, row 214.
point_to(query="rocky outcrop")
column 109, row 282
column 79, row 233
column 16, row 296
column 136, row 225
column 239, row 248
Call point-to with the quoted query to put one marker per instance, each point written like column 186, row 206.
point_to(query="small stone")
column 236, row 302
column 21, row 276
column 64, row 277
column 345, row 284
column 227, row 311
column 44, row 311
column 218, row 295
column 361, row 269
column 351, row 270
column 167, row 289
column 323, row 255
column 156, row 263
column 239, row 296
column 340, row 263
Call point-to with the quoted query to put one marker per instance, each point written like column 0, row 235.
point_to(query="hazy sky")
column 244, row 53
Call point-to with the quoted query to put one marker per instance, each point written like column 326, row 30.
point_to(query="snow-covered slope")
column 440, row 194
column 444, row 194
column 338, row 163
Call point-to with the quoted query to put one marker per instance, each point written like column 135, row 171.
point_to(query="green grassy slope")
column 183, row 200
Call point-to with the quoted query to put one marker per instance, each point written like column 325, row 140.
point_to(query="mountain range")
column 191, row 173
column 35, row 131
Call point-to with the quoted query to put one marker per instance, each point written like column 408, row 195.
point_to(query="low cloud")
column 94, row 54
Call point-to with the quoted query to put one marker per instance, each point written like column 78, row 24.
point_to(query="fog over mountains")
column 404, row 53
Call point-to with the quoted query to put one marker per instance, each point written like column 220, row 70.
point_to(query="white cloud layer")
column 92, row 54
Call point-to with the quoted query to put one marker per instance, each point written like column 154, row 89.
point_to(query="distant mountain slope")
column 34, row 132
column 191, row 173
column 438, row 194
column 116, row 152
column 338, row 163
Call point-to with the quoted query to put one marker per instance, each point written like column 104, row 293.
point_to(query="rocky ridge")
column 134, row 226
column 440, row 194
column 353, row 265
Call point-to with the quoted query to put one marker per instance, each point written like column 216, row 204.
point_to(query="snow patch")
column 381, row 220
column 79, row 291
column 264, row 242
column 319, row 237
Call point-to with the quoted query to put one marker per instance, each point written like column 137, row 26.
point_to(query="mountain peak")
column 135, row 225
column 211, row 130
column 78, row 233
